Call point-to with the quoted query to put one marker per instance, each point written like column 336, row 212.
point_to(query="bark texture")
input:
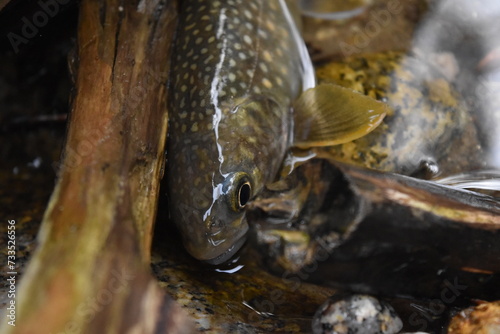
column 91, row 273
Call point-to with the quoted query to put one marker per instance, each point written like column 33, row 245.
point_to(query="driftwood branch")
column 90, row 273
column 387, row 233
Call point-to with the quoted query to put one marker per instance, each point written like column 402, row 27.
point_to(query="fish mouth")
column 226, row 255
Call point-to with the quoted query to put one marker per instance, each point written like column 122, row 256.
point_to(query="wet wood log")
column 386, row 233
column 3, row 3
column 417, row 238
column 90, row 273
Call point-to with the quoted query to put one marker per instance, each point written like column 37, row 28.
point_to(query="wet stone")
column 483, row 318
column 356, row 314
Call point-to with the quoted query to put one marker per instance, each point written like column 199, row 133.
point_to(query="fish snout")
column 222, row 240
column 215, row 227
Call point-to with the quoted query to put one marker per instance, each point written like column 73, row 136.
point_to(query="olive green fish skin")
column 235, row 72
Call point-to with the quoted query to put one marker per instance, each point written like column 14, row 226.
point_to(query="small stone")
column 482, row 319
column 356, row 314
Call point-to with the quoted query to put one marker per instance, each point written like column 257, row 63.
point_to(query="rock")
column 356, row 314
column 482, row 319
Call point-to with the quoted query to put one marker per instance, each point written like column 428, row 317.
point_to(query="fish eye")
column 244, row 194
column 242, row 191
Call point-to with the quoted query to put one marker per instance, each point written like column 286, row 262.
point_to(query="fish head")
column 215, row 173
column 224, row 221
column 212, row 219
column 208, row 204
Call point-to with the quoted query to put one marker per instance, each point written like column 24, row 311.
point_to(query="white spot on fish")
column 263, row 34
column 247, row 39
column 267, row 56
column 267, row 83
column 209, row 58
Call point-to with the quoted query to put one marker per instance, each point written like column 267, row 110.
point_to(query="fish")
column 242, row 93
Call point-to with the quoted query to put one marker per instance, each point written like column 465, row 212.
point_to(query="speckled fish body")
column 236, row 70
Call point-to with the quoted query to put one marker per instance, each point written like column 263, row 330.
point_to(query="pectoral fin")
column 330, row 115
